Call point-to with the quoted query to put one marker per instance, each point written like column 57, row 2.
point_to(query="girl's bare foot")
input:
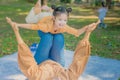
column 45, row 8
column 13, row 24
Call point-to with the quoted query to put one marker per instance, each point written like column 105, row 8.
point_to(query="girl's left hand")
column 13, row 24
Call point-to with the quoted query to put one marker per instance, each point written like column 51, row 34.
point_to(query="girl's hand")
column 13, row 24
column 10, row 21
column 92, row 26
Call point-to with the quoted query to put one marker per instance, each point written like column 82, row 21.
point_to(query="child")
column 102, row 13
column 52, row 43
column 50, row 70
column 54, row 24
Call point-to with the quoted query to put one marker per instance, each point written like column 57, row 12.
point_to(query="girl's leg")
column 57, row 50
column 44, row 47
column 103, row 24
column 100, row 24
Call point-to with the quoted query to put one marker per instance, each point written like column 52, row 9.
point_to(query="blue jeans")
column 51, row 46
column 102, row 24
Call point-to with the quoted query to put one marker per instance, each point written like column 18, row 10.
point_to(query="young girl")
column 49, row 43
column 53, row 24
column 50, row 70
column 102, row 13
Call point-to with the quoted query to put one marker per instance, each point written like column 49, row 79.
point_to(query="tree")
column 67, row 1
column 87, row 1
column 30, row 0
column 108, row 3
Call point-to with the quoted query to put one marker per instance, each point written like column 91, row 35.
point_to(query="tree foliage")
column 67, row 1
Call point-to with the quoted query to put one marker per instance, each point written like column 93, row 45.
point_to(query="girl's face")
column 61, row 20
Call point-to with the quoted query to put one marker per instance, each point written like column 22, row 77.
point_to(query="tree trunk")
column 87, row 1
column 108, row 3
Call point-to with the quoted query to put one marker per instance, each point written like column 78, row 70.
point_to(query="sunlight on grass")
column 23, row 13
column 19, row 10
column 81, row 9
column 104, row 37
column 104, row 42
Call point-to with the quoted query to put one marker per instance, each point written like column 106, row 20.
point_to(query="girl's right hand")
column 10, row 21
column 92, row 26
column 13, row 24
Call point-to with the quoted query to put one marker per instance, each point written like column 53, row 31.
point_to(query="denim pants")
column 102, row 24
column 51, row 46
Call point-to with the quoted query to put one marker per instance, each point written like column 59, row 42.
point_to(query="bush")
column 97, row 2
column 77, row 1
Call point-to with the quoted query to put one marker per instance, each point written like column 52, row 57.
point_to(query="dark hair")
column 103, row 4
column 60, row 9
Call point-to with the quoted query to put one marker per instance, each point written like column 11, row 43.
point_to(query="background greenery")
column 104, row 42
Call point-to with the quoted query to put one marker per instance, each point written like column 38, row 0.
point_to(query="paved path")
column 97, row 68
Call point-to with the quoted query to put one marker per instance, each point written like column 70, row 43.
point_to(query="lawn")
column 104, row 42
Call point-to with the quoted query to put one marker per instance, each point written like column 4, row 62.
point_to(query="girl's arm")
column 82, row 30
column 92, row 26
column 85, row 28
column 74, row 31
column 78, row 32
column 89, row 27
column 26, row 26
column 40, row 26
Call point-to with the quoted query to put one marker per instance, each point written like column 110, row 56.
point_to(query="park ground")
column 104, row 42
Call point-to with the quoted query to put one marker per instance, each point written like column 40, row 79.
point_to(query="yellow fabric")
column 46, row 25
column 50, row 70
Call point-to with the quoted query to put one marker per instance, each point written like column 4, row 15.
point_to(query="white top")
column 33, row 18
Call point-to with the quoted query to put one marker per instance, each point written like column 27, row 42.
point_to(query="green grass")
column 104, row 42
column 119, row 79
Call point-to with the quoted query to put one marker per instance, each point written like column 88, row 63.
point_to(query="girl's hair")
column 103, row 4
column 60, row 9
